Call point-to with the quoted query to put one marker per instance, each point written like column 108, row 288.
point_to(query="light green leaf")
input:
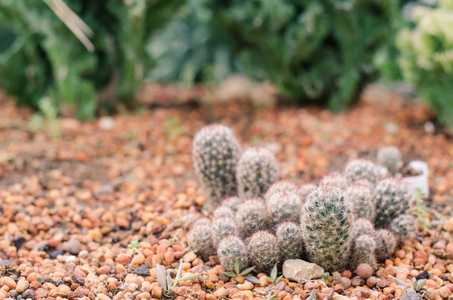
column 161, row 277
column 189, row 277
column 274, row 272
column 246, row 271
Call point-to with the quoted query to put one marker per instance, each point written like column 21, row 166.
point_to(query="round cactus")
column 280, row 186
column 251, row 216
column 385, row 244
column 335, row 179
column 304, row 191
column 404, row 227
column 232, row 203
column 232, row 250
column 364, row 251
column 365, row 183
column 326, row 224
column 223, row 211
column 263, row 251
column 223, row 227
column 364, row 205
column 283, row 207
column 215, row 154
column 256, row 171
column 361, row 169
column 289, row 236
column 201, row 240
column 393, row 198
column 360, row 227
column 389, row 157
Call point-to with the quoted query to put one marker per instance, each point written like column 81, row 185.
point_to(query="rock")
column 411, row 295
column 364, row 270
column 106, row 123
column 72, row 246
column 142, row 270
column 22, row 285
column 300, row 270
column 54, row 254
column 28, row 293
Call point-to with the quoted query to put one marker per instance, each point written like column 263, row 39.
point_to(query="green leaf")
column 236, row 267
column 278, row 279
column 274, row 272
column 178, row 274
column 269, row 279
column 229, row 274
column 313, row 295
column 161, row 277
column 169, row 283
column 252, row 279
column 246, row 271
column 189, row 277
column 420, row 284
column 325, row 277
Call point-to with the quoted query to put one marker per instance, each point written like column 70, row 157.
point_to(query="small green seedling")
column 270, row 296
column 238, row 272
column 420, row 211
column 325, row 277
column 312, row 295
column 273, row 278
column 417, row 285
column 166, row 282
column 133, row 244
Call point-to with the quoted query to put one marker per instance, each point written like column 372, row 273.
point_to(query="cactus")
column 256, row 171
column 404, row 227
column 364, row 251
column 326, row 223
column 393, row 198
column 232, row 203
column 389, row 157
column 304, row 191
column 263, row 251
column 335, row 179
column 201, row 240
column 232, row 250
column 360, row 227
column 215, row 155
column 223, row 211
column 280, row 186
column 289, row 236
column 365, row 183
column 283, row 206
column 364, row 205
column 361, row 169
column 222, row 228
column 251, row 216
column 385, row 244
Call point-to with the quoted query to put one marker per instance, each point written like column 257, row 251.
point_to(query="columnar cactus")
column 361, row 169
column 404, row 227
column 393, row 198
column 263, row 251
column 364, row 251
column 364, row 205
column 222, row 228
column 335, row 179
column 326, row 223
column 289, row 236
column 251, row 216
column 215, row 154
column 232, row 203
column 201, row 240
column 223, row 211
column 283, row 207
column 305, row 190
column 280, row 186
column 256, row 171
column 230, row 250
column 385, row 244
column 360, row 227
column 389, row 157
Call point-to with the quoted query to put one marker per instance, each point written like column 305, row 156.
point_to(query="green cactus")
column 256, row 171
column 404, row 227
column 232, row 203
column 335, row 179
column 304, row 191
column 393, row 198
column 280, row 186
column 223, row 211
column 364, row 251
column 289, row 236
column 390, row 158
column 263, row 251
column 360, row 227
column 326, row 222
column 385, row 244
column 215, row 154
column 364, row 205
column 361, row 169
column 283, row 207
column 232, row 250
column 201, row 240
column 251, row 216
column 222, row 228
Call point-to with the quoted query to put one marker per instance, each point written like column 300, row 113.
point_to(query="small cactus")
column 232, row 203
column 289, row 236
column 335, row 179
column 280, row 186
column 326, row 223
column 364, row 251
column 283, row 207
column 201, row 240
column 385, row 244
column 389, row 157
column 263, row 251
column 360, row 227
column 364, row 205
column 215, row 155
column 222, row 228
column 361, row 169
column 232, row 250
column 393, row 198
column 256, row 171
column 223, row 211
column 251, row 216
column 304, row 191
column 404, row 227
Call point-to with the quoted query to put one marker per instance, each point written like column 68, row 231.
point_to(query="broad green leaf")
column 246, row 271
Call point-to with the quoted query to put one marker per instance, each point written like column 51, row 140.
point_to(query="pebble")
column 364, row 271
column 72, row 246
column 22, row 285
column 246, row 286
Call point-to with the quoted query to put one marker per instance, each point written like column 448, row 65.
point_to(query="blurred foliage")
column 426, row 56
column 40, row 57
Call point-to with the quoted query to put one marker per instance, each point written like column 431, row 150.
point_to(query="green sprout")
column 133, row 244
column 312, row 295
column 273, row 276
column 166, row 282
column 325, row 277
column 238, row 272
column 420, row 211
column 271, row 296
column 416, row 285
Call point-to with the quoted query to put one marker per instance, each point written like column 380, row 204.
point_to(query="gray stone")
column 411, row 295
column 300, row 270
column 72, row 246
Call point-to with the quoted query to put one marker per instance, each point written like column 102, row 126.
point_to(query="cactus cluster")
column 331, row 224
column 390, row 158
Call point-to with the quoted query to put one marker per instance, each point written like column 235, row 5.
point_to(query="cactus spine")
column 222, row 228
column 283, row 207
column 361, row 169
column 289, row 236
column 263, row 251
column 215, row 155
column 385, row 244
column 326, row 221
column 304, row 191
column 256, row 171
column 389, row 157
column 404, row 227
column 364, row 205
column 201, row 240
column 364, row 251
column 251, row 216
column 232, row 249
